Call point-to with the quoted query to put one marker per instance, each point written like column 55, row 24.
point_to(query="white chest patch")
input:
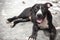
column 44, row 24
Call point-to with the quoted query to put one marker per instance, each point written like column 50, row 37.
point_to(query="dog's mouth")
column 39, row 21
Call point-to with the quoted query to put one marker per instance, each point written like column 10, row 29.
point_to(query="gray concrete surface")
column 10, row 8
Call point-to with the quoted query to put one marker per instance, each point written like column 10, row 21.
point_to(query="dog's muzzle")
column 39, row 18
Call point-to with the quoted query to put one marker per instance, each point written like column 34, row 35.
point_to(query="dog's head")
column 40, row 10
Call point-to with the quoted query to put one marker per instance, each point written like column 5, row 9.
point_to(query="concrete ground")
column 20, row 32
column 10, row 8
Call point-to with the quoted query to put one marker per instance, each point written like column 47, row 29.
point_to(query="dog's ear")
column 48, row 5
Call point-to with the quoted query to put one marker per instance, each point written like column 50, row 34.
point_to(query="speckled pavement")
column 10, row 8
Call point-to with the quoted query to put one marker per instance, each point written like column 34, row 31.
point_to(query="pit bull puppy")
column 41, row 18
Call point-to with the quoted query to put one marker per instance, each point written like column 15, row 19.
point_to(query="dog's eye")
column 37, row 7
column 44, row 8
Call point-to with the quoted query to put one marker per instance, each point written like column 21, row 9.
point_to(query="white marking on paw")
column 7, row 22
column 11, row 24
column 31, row 39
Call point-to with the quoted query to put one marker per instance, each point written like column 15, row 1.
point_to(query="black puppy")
column 40, row 17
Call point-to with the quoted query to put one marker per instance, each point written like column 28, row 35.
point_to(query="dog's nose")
column 39, row 15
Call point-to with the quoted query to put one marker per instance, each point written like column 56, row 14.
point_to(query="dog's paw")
column 11, row 25
column 30, row 39
column 7, row 22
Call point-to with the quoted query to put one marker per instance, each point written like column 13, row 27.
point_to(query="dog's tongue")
column 39, row 21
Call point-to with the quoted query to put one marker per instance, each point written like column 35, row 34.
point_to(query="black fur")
column 31, row 12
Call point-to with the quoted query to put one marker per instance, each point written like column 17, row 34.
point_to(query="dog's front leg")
column 53, row 34
column 34, row 33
